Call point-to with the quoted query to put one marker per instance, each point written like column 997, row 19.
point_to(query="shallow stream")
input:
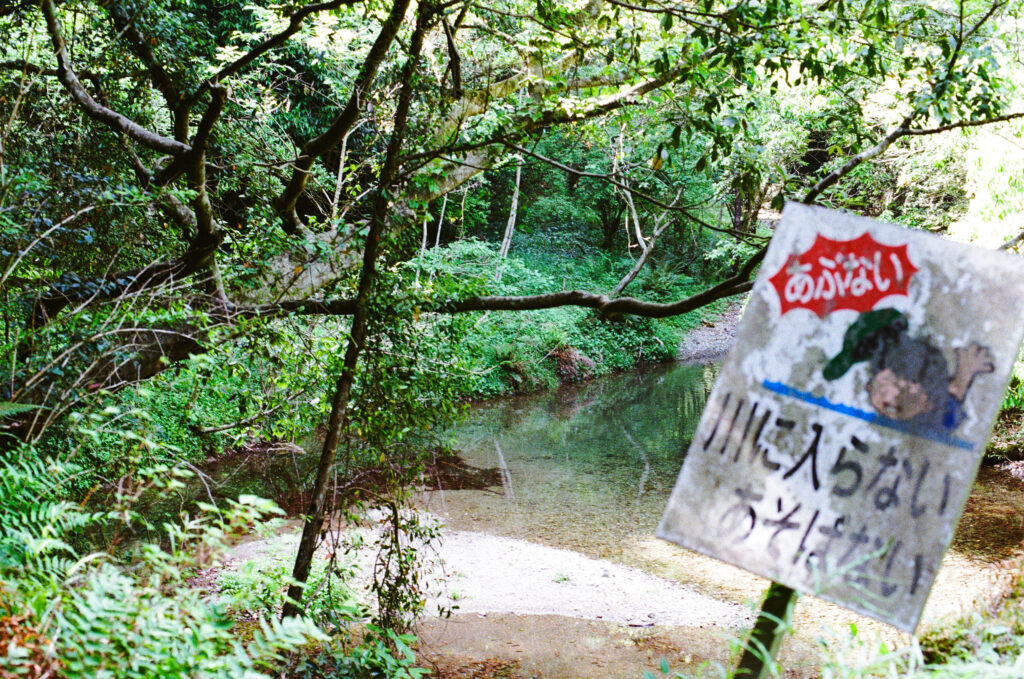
column 585, row 467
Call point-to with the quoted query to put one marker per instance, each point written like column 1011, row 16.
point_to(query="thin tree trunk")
column 440, row 222
column 315, row 514
column 646, row 246
column 437, row 236
column 461, row 233
column 423, row 249
column 341, row 171
column 510, row 226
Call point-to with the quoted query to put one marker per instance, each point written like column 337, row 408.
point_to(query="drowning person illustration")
column 910, row 380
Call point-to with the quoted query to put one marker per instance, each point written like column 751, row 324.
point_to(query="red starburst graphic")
column 853, row 274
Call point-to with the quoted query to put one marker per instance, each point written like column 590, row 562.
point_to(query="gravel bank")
column 712, row 340
column 490, row 574
column 479, row 573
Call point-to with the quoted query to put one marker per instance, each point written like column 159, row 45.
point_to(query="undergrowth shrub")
column 132, row 611
column 265, row 381
column 126, row 611
column 381, row 654
column 985, row 643
column 993, row 637
column 1014, row 397
column 259, row 588
column 527, row 351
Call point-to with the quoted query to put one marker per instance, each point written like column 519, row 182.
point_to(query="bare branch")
column 581, row 298
column 15, row 261
column 850, row 165
column 1013, row 242
column 646, row 246
column 623, row 305
column 902, row 131
column 963, row 124
column 262, row 415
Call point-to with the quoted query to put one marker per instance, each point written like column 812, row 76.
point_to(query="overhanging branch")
column 90, row 106
column 606, row 305
column 963, row 124
column 904, row 130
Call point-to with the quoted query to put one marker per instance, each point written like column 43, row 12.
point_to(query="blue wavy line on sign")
column 873, row 418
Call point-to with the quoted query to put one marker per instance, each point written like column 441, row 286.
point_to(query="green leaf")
column 8, row 408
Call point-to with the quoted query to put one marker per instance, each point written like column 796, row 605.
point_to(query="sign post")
column 841, row 439
column 766, row 636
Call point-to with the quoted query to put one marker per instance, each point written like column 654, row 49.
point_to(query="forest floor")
column 531, row 610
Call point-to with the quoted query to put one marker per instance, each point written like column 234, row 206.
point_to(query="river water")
column 585, row 467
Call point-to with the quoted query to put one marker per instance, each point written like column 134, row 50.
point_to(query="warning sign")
column 841, row 439
column 843, row 274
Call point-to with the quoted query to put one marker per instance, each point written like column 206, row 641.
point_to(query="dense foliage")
column 248, row 231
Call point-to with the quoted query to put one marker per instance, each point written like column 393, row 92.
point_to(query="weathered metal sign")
column 839, row 444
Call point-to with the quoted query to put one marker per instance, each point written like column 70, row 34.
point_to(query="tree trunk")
column 437, row 235
column 440, row 222
column 510, row 226
column 341, row 172
column 461, row 232
column 315, row 514
column 423, row 249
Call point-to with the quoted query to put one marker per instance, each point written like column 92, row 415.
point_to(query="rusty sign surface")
column 839, row 444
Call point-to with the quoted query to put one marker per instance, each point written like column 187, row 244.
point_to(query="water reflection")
column 583, row 467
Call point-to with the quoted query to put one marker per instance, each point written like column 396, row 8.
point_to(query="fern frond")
column 9, row 408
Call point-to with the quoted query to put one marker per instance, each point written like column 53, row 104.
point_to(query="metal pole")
column 769, row 628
